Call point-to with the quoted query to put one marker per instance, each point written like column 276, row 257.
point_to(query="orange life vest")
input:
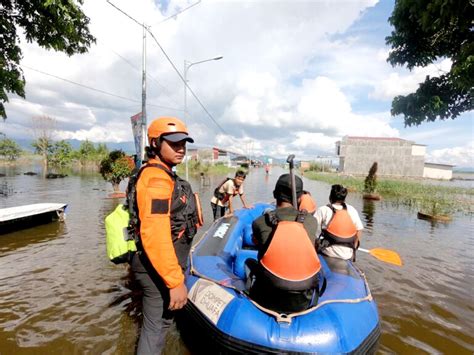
column 290, row 260
column 307, row 203
column 341, row 229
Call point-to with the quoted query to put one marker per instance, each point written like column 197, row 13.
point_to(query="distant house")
column 438, row 171
column 395, row 157
column 305, row 165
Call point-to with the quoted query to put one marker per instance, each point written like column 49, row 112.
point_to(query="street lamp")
column 188, row 65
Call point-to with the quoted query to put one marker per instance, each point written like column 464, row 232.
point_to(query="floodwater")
column 59, row 294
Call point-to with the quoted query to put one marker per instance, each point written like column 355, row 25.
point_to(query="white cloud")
column 397, row 84
column 289, row 79
column 462, row 156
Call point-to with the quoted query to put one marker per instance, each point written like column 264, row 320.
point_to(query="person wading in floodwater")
column 225, row 192
column 167, row 221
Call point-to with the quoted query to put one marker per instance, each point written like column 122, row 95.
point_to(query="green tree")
column 370, row 182
column 43, row 146
column 86, row 152
column 426, row 31
column 53, row 24
column 101, row 151
column 116, row 167
column 9, row 149
column 43, row 128
column 60, row 154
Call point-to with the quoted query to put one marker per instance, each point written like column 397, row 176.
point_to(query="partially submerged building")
column 438, row 171
column 215, row 156
column 395, row 157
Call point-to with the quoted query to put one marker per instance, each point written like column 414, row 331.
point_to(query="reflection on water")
column 368, row 211
column 59, row 293
column 11, row 242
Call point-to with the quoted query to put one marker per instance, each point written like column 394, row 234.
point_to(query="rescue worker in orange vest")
column 307, row 203
column 286, row 276
column 164, row 241
column 341, row 227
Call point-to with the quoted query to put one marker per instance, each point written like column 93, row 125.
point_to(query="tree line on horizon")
column 58, row 155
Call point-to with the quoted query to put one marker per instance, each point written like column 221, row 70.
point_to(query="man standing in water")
column 167, row 222
column 224, row 194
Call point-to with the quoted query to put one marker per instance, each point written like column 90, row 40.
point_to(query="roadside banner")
column 137, row 132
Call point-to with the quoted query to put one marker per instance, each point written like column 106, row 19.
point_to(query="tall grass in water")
column 430, row 199
column 197, row 167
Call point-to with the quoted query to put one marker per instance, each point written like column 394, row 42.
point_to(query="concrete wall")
column 435, row 171
column 417, row 149
column 394, row 157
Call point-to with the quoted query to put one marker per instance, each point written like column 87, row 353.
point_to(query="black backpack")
column 220, row 195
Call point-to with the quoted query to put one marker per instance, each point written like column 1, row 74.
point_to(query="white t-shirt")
column 324, row 215
column 228, row 188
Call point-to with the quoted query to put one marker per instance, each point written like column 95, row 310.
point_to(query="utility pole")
column 185, row 113
column 144, row 123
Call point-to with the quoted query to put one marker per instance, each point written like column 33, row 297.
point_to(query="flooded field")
column 59, row 294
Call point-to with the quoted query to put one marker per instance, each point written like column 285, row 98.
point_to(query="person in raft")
column 285, row 278
column 225, row 192
column 341, row 227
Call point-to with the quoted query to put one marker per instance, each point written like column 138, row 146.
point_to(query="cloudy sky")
column 295, row 77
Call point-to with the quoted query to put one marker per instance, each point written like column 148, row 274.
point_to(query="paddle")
column 289, row 160
column 386, row 255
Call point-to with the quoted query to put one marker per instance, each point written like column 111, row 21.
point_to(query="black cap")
column 283, row 188
column 177, row 137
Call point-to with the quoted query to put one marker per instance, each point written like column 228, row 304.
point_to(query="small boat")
column 21, row 217
column 220, row 318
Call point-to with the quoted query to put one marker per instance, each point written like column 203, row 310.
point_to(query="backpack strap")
column 272, row 218
column 301, row 216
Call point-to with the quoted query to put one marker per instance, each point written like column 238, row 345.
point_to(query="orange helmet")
column 171, row 128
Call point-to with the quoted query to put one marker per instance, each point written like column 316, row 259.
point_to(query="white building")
column 438, row 171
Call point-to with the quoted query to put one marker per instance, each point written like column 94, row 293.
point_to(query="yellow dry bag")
column 120, row 246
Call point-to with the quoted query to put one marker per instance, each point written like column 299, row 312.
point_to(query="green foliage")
column 54, row 24
column 370, row 182
column 426, row 31
column 61, row 154
column 9, row 150
column 43, row 146
column 89, row 153
column 410, row 193
column 86, row 152
column 197, row 167
column 101, row 152
column 313, row 166
column 116, row 167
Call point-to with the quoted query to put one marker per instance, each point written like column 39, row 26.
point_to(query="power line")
column 95, row 89
column 185, row 83
column 172, row 64
column 176, row 14
column 123, row 12
column 147, row 75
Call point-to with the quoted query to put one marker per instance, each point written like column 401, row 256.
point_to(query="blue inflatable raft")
column 220, row 318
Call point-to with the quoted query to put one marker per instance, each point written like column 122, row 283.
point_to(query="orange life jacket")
column 341, row 229
column 307, row 203
column 167, row 217
column 290, row 260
